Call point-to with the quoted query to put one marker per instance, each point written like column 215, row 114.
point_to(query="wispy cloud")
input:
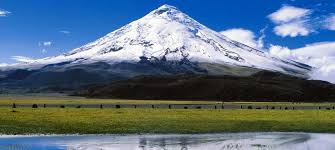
column 65, row 32
column 23, row 59
column 330, row 22
column 45, row 43
column 291, row 21
column 4, row 13
column 44, row 51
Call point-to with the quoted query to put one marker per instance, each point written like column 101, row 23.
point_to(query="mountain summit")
column 168, row 34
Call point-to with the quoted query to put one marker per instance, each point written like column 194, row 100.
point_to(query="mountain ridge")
column 164, row 42
column 167, row 33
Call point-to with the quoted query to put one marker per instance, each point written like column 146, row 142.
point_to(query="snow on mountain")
column 167, row 33
column 3, row 65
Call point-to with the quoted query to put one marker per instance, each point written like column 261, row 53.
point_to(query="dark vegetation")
column 262, row 86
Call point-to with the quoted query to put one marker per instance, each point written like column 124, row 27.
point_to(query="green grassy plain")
column 290, row 104
column 123, row 121
column 8, row 100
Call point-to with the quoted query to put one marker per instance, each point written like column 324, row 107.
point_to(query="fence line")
column 172, row 106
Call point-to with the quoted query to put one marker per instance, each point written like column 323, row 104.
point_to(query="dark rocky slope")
column 63, row 77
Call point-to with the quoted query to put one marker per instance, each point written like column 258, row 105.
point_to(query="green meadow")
column 8, row 100
column 123, row 121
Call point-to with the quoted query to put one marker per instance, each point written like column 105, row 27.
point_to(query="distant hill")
column 262, row 86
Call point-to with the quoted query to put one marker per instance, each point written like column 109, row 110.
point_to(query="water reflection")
column 244, row 141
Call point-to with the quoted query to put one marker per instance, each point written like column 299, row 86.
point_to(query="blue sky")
column 41, row 28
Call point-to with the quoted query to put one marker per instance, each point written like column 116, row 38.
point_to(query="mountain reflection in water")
column 241, row 141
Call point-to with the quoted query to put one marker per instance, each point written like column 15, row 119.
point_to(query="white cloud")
column 45, row 43
column 317, row 50
column 44, row 51
column 23, row 59
column 288, row 14
column 326, row 72
column 291, row 21
column 280, row 51
column 319, row 55
column 65, row 32
column 330, row 22
column 293, row 29
column 4, row 13
column 244, row 36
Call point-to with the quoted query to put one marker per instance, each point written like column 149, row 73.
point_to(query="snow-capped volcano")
column 170, row 35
